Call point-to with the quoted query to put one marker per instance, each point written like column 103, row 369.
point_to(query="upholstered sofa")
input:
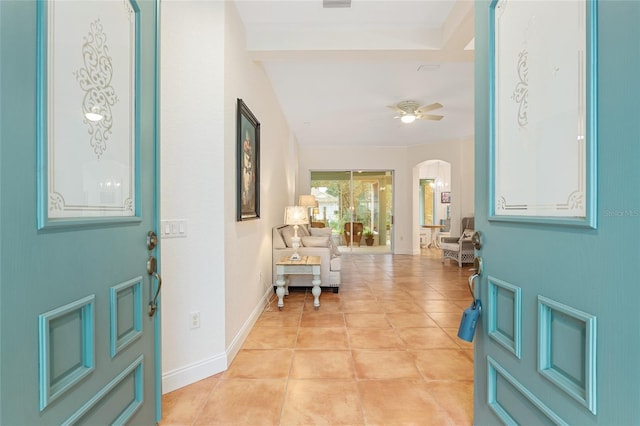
column 314, row 242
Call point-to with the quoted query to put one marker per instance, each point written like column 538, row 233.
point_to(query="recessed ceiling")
column 335, row 71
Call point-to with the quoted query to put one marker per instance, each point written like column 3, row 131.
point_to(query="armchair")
column 357, row 227
column 459, row 248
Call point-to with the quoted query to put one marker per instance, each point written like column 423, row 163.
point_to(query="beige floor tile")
column 182, row 406
column 364, row 320
column 322, row 319
column 244, row 402
column 360, row 306
column 410, row 319
column 444, row 364
column 447, row 319
column 433, row 306
column 322, row 364
column 391, row 306
column 400, row 402
column 321, row 402
column 322, row 338
column 271, row 338
column 382, row 351
column 385, row 364
column 279, row 319
column 374, row 338
column 426, row 338
column 453, row 398
column 326, row 305
column 260, row 364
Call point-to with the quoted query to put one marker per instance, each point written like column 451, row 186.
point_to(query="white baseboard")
column 244, row 331
column 200, row 370
column 192, row 373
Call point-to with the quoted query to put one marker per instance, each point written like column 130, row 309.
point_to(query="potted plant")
column 368, row 237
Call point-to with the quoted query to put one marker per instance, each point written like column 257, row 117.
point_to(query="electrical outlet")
column 195, row 319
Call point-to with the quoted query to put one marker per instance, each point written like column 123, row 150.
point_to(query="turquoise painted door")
column 559, row 338
column 78, row 127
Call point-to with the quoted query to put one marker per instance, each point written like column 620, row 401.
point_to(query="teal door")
column 558, row 206
column 77, row 199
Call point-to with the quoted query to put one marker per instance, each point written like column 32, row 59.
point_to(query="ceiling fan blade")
column 430, row 117
column 396, row 109
column 430, row 107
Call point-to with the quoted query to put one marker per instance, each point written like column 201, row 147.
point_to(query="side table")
column 307, row 265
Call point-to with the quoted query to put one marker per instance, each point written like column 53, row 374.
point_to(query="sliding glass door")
column 358, row 206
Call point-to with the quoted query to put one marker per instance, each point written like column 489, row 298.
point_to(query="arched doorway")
column 434, row 200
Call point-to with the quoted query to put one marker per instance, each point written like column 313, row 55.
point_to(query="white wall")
column 216, row 269
column 248, row 243
column 460, row 155
column 405, row 164
column 192, row 177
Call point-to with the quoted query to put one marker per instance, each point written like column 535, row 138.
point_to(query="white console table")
column 309, row 265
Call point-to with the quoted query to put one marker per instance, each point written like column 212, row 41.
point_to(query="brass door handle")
column 151, row 270
column 476, row 271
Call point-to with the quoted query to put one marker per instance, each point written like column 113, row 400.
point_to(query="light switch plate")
column 173, row 228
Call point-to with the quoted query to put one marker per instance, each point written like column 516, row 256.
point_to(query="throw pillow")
column 303, row 231
column 287, row 234
column 321, row 232
column 326, row 232
column 466, row 235
column 315, row 241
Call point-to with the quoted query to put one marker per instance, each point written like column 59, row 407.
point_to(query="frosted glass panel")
column 540, row 103
column 90, row 109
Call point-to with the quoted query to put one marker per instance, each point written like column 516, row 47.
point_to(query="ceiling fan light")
column 408, row 118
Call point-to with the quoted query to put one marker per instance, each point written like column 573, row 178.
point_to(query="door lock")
column 152, row 240
column 476, row 240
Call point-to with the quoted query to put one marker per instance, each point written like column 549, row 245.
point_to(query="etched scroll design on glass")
column 521, row 92
column 95, row 80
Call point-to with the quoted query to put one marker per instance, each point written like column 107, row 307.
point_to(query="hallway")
column 383, row 351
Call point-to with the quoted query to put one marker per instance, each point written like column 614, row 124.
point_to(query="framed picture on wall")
column 248, row 164
column 445, row 197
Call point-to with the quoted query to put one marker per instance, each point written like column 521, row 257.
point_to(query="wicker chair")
column 459, row 248
column 358, row 228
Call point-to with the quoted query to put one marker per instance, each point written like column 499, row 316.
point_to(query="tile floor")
column 382, row 351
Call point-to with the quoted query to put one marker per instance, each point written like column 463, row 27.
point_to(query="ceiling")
column 335, row 71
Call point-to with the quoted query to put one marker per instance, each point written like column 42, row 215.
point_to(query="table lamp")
column 309, row 201
column 295, row 215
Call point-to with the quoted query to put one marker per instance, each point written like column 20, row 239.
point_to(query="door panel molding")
column 496, row 390
column 567, row 350
column 66, row 348
column 125, row 305
column 504, row 315
column 134, row 374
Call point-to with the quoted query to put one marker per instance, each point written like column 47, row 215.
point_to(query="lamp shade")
column 296, row 215
column 307, row 201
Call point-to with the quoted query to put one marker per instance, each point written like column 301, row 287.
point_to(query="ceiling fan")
column 409, row 111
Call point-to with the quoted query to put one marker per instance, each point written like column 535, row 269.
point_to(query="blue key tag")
column 469, row 320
